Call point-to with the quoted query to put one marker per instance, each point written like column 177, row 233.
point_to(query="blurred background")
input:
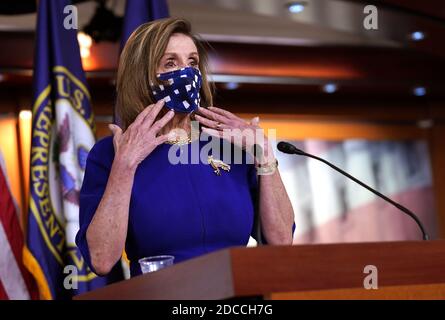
column 371, row 101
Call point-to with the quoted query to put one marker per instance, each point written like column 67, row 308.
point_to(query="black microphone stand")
column 257, row 232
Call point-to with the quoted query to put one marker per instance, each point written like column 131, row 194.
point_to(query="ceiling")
column 328, row 39
column 323, row 22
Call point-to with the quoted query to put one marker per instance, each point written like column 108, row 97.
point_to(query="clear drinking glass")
column 155, row 263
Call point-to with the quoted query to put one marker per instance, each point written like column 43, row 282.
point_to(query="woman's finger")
column 116, row 130
column 212, row 115
column 164, row 138
column 255, row 121
column 117, row 133
column 154, row 111
column 223, row 112
column 213, row 132
column 141, row 116
column 210, row 123
column 158, row 125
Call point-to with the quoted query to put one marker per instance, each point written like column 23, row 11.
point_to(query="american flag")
column 15, row 281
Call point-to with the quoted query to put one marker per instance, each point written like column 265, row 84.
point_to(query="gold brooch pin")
column 216, row 164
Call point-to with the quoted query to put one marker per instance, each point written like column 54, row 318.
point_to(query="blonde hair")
column 139, row 61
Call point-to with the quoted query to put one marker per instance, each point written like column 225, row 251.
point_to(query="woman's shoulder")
column 103, row 150
column 104, row 144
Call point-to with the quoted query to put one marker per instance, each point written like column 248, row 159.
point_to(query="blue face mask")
column 181, row 89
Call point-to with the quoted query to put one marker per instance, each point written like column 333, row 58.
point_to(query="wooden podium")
column 406, row 270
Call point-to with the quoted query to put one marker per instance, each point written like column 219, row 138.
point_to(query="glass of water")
column 155, row 263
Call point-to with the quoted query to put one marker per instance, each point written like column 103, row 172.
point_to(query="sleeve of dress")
column 253, row 185
column 93, row 187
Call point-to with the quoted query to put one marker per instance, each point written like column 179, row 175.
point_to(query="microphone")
column 288, row 148
column 257, row 233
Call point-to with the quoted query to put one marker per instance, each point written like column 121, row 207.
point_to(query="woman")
column 134, row 198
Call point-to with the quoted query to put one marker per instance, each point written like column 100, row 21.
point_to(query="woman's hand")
column 224, row 124
column 141, row 137
column 275, row 208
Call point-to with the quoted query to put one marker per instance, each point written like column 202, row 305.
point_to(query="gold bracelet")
column 266, row 169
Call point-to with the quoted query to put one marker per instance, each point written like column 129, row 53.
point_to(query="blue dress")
column 184, row 210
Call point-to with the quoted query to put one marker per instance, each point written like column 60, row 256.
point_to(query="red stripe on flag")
column 9, row 219
column 10, row 222
column 3, row 295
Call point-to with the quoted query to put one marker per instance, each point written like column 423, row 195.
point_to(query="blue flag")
column 62, row 135
column 138, row 12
